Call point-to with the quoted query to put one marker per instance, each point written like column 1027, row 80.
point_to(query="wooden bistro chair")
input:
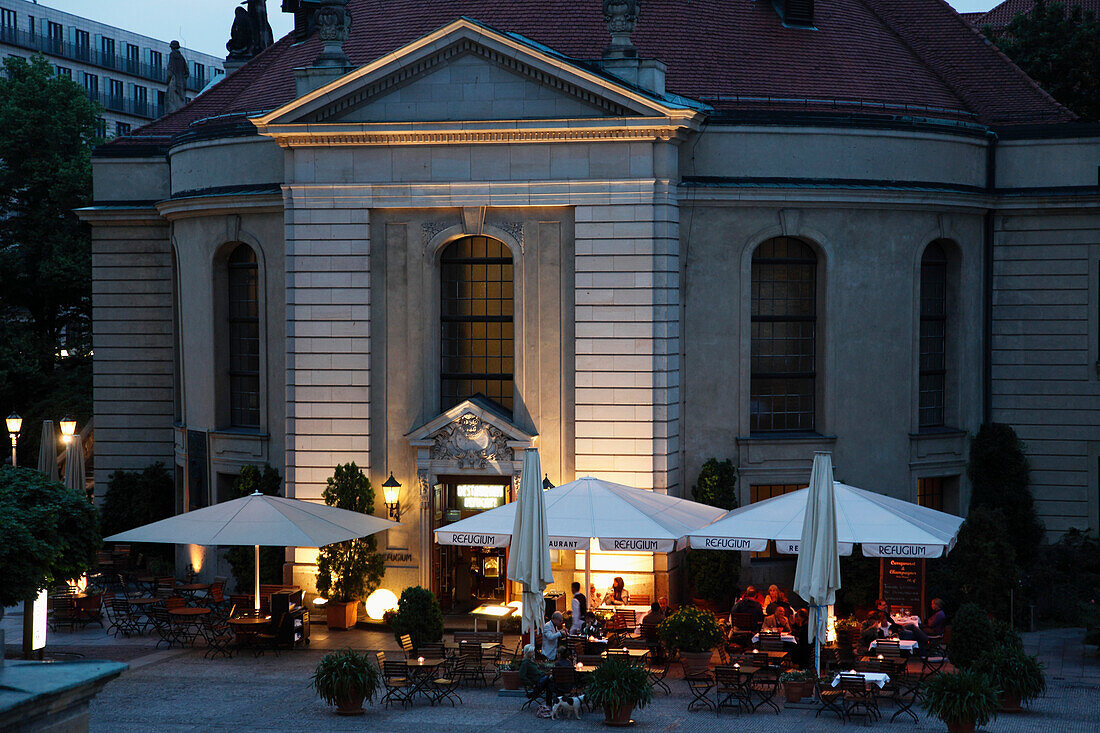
column 858, row 699
column 764, row 686
column 446, row 686
column 395, row 678
column 832, row 699
column 218, row 635
column 772, row 641
column 473, row 670
column 123, row 618
column 407, row 646
column 733, row 689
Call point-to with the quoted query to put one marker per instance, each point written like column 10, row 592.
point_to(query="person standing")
column 579, row 608
column 551, row 634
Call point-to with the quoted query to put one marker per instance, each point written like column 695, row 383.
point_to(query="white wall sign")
column 38, row 629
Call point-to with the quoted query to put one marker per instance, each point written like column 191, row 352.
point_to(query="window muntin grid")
column 930, row 492
column 760, row 492
column 933, row 337
column 244, row 338
column 477, row 346
column 784, row 331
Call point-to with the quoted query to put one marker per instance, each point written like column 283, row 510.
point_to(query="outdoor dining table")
column 245, row 627
column 188, row 611
column 190, row 589
column 421, row 673
column 787, row 639
column 879, row 679
column 632, row 653
column 906, row 645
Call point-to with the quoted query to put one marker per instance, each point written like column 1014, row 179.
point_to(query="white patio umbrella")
column 882, row 525
column 258, row 520
column 74, row 464
column 817, row 574
column 622, row 518
column 529, row 560
column 47, row 451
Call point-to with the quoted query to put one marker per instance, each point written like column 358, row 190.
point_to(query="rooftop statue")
column 178, row 73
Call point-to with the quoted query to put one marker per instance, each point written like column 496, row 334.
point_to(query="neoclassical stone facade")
column 669, row 279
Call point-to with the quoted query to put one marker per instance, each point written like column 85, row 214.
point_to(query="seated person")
column 799, row 620
column 617, row 594
column 594, row 598
column 748, row 604
column 877, row 626
column 770, row 598
column 530, row 674
column 545, row 685
column 781, row 600
column 655, row 616
column 592, row 626
column 663, row 603
column 777, row 621
column 937, row 623
column 909, row 632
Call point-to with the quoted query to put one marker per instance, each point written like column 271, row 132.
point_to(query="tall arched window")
column 784, row 325
column 933, row 336
column 476, row 341
column 244, row 338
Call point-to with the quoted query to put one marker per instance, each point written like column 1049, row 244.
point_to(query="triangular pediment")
column 468, row 72
column 471, row 433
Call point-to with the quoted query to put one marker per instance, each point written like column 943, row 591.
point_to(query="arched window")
column 784, row 325
column 933, row 336
column 476, row 342
column 244, row 338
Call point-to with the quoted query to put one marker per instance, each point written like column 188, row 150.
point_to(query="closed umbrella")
column 258, row 520
column 74, row 464
column 817, row 574
column 529, row 559
column 47, row 451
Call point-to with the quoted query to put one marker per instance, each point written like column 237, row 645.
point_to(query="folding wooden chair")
column 732, row 689
column 407, row 646
column 832, row 699
column 765, row 687
column 395, row 678
column 218, row 634
column 700, row 686
column 858, row 699
column 446, row 686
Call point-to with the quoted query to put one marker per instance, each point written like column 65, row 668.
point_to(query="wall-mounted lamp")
column 15, row 423
column 68, row 428
column 391, row 490
column 546, row 484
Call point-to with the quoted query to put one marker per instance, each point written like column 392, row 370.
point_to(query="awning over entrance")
column 621, row 518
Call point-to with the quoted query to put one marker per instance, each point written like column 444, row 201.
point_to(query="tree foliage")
column 419, row 616
column 134, row 499
column 242, row 560
column 714, row 573
column 999, row 476
column 47, row 131
column 352, row 570
column 1060, row 49
column 981, row 568
column 48, row 534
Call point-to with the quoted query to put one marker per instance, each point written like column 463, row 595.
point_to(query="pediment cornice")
column 471, row 435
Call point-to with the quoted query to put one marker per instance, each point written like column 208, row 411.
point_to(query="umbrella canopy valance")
column 621, row 518
column 883, row 526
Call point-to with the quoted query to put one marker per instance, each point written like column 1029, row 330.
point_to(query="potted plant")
column 618, row 686
column 962, row 699
column 348, row 571
column 797, row 684
column 1017, row 675
column 693, row 633
column 509, row 675
column 344, row 679
column 419, row 616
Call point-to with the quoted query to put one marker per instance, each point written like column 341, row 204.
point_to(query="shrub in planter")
column 693, row 633
column 1017, row 675
column 509, row 675
column 419, row 616
column 713, row 573
column 618, row 686
column 797, row 684
column 971, row 636
column 344, row 679
column 961, row 699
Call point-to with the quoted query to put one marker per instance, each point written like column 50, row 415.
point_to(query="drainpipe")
column 987, row 281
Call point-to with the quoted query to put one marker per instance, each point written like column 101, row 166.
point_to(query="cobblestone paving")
column 178, row 690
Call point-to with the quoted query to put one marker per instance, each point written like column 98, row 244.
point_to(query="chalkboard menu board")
column 901, row 583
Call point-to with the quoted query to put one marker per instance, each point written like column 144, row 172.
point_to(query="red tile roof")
column 728, row 52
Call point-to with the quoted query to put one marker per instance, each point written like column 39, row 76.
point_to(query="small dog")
column 567, row 706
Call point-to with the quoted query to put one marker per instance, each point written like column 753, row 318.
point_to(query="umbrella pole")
column 588, row 572
column 256, row 581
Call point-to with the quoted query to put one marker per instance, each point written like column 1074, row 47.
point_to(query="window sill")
column 786, row 438
column 940, row 432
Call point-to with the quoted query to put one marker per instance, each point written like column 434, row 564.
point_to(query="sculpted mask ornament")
column 471, row 442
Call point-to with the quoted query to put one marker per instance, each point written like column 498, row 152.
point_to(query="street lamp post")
column 391, row 491
column 14, row 424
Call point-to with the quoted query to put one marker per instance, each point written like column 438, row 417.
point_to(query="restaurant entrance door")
column 466, row 577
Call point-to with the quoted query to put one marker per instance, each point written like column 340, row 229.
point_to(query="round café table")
column 246, row 627
column 190, row 589
column 186, row 616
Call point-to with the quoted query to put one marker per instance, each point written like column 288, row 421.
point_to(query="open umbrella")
column 257, row 520
column 622, row 518
column 47, row 451
column 817, row 574
column 529, row 560
column 74, row 465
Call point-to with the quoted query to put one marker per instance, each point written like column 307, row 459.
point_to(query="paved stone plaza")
column 178, row 690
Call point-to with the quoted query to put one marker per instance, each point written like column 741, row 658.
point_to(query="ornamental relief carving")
column 471, row 443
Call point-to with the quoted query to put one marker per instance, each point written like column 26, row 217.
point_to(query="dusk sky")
column 204, row 24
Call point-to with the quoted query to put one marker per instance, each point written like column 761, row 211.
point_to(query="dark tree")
column 999, row 476
column 352, row 570
column 242, row 560
column 1060, row 49
column 714, row 573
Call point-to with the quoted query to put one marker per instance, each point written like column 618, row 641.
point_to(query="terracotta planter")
column 617, row 716
column 510, row 679
column 350, row 706
column 695, row 663
column 961, row 727
column 795, row 691
column 341, row 615
column 1010, row 703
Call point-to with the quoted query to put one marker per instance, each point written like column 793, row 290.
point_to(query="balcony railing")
column 89, row 55
column 127, row 106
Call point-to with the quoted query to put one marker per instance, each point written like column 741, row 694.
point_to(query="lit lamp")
column 391, row 490
column 14, row 424
column 68, row 428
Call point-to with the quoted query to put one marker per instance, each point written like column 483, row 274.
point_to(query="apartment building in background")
column 125, row 72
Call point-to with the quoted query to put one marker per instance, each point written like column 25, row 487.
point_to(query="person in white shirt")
column 579, row 608
column 551, row 633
